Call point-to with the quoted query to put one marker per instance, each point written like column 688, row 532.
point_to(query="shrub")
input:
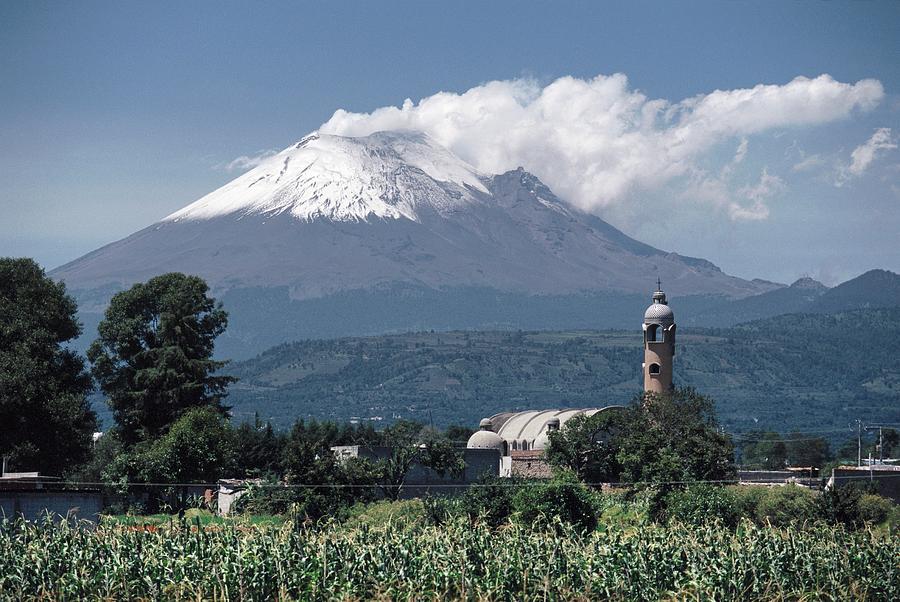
column 702, row 504
column 401, row 513
column 874, row 509
column 784, row 506
column 563, row 498
column 490, row 500
column 840, row 505
column 747, row 499
column 267, row 498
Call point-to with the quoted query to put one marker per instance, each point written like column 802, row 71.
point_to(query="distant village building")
column 521, row 437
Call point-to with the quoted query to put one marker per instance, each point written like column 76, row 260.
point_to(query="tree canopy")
column 153, row 356
column 656, row 438
column 46, row 422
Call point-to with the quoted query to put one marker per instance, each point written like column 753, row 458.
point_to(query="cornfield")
column 457, row 561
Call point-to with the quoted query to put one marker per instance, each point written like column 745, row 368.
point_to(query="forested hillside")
column 793, row 372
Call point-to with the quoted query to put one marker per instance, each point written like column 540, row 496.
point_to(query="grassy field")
column 397, row 559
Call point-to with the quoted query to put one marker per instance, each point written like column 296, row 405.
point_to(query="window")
column 654, row 369
column 655, row 333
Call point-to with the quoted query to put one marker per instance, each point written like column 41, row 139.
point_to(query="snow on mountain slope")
column 387, row 175
column 333, row 214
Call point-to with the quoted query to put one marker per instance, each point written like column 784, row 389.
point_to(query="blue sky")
column 113, row 115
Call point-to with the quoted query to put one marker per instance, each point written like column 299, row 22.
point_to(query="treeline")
column 773, row 451
column 153, row 361
column 810, row 373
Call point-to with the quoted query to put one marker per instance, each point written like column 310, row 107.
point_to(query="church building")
column 521, row 437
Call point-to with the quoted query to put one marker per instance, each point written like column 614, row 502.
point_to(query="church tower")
column 659, row 344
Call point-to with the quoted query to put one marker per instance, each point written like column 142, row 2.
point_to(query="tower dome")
column 485, row 438
column 659, row 311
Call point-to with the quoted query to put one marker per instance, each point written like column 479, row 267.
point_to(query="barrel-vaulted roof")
column 528, row 425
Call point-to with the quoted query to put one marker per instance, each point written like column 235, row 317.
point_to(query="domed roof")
column 542, row 441
column 659, row 313
column 485, row 440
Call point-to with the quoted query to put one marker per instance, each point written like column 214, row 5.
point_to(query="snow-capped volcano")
column 385, row 175
column 339, row 236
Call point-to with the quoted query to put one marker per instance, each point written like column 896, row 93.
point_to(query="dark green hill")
column 794, row 372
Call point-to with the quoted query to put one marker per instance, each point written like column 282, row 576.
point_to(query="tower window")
column 654, row 369
column 655, row 333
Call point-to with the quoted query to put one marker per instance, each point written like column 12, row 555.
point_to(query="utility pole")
column 880, row 441
column 858, row 441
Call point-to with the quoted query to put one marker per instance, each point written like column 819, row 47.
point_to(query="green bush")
column 490, row 500
column 702, row 504
column 266, row 498
column 874, row 509
column 562, row 499
column 747, row 499
column 840, row 505
column 401, row 513
column 788, row 505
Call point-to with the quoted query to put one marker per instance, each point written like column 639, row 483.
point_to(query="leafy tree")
column 153, row 356
column 891, row 440
column 764, row 450
column 847, row 450
column 490, row 499
column 674, row 437
column 46, row 422
column 412, row 445
column 588, row 446
column 656, row 439
column 458, row 434
column 318, row 485
column 803, row 450
column 198, row 447
column 258, row 449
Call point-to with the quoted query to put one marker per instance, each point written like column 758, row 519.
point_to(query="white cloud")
column 755, row 197
column 597, row 142
column 741, row 151
column 809, row 163
column 863, row 155
column 245, row 162
column 748, row 202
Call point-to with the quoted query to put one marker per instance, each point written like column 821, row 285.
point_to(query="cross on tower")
column 658, row 284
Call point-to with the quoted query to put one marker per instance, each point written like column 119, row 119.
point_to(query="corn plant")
column 457, row 561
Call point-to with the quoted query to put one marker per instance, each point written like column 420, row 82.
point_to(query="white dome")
column 485, row 439
column 659, row 313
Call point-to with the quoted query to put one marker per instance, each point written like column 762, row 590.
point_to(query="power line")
column 511, row 483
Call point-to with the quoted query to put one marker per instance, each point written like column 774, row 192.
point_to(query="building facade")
column 520, row 437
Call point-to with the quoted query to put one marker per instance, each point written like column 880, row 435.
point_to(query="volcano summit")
column 337, row 236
